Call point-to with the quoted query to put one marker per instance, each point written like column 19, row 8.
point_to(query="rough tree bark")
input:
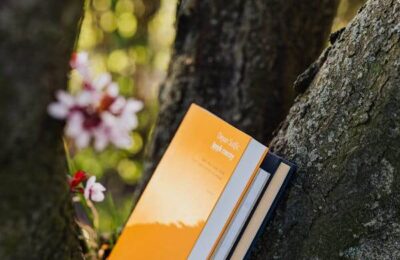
column 239, row 60
column 344, row 134
column 36, row 217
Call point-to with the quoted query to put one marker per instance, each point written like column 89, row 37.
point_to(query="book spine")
column 272, row 210
column 229, row 200
column 270, row 165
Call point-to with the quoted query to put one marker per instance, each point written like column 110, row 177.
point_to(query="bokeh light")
column 132, row 40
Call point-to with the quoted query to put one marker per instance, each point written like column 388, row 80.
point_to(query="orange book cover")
column 184, row 189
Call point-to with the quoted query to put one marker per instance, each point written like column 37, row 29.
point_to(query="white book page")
column 228, row 200
column 261, row 212
column 242, row 214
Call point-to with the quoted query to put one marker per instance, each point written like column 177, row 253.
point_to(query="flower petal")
column 91, row 181
column 58, row 110
column 133, row 105
column 82, row 139
column 122, row 140
column 89, row 186
column 97, row 196
column 118, row 105
column 74, row 124
column 109, row 119
column 101, row 140
column 86, row 192
column 80, row 62
column 85, row 98
column 65, row 98
column 102, row 81
column 113, row 90
column 79, row 59
column 94, row 190
column 129, row 122
column 97, row 186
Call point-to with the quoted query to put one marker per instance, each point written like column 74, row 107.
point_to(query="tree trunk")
column 239, row 60
column 36, row 217
column 344, row 134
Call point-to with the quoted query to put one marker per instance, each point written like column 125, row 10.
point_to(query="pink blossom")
column 94, row 190
column 80, row 62
column 61, row 109
column 119, row 121
column 79, row 128
column 102, row 81
column 96, row 113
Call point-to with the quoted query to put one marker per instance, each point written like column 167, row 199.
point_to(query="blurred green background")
column 132, row 39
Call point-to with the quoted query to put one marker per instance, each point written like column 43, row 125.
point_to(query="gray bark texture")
column 239, row 60
column 344, row 134
column 36, row 215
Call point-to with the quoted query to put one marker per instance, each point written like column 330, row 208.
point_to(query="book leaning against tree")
column 209, row 197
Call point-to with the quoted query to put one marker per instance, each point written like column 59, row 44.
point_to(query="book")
column 242, row 214
column 282, row 171
column 194, row 193
column 210, row 197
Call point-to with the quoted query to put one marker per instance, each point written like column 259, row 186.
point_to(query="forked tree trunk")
column 239, row 59
column 36, row 217
column 344, row 134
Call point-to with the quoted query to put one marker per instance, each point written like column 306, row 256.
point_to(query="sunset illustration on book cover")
column 196, row 193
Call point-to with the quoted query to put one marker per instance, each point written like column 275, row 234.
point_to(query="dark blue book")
column 280, row 172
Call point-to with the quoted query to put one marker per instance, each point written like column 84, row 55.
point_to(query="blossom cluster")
column 97, row 113
column 93, row 190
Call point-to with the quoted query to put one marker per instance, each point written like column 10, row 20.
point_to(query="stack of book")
column 210, row 197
